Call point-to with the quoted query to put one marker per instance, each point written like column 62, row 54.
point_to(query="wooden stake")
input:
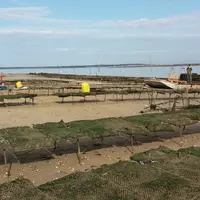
column 182, row 97
column 105, row 97
column 32, row 100
column 5, row 157
column 152, row 99
column 170, row 101
column 102, row 139
column 55, row 146
column 187, row 98
column 140, row 95
column 156, row 95
column 9, row 170
column 78, row 146
column 181, row 134
column 174, row 104
column 131, row 141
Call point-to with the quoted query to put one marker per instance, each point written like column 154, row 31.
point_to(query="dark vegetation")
column 17, row 96
column 91, row 78
column 51, row 134
column 156, row 174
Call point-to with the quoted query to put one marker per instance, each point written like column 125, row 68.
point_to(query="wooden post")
column 182, row 97
column 149, row 98
column 140, row 95
column 62, row 99
column 156, row 95
column 32, row 100
column 105, row 97
column 170, row 101
column 174, row 104
column 25, row 100
column 96, row 97
column 152, row 98
column 131, row 141
column 181, row 134
column 5, row 157
column 9, row 170
column 48, row 91
column 55, row 146
column 102, row 139
column 187, row 97
column 78, row 146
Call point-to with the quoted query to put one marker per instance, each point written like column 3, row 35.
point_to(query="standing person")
column 189, row 74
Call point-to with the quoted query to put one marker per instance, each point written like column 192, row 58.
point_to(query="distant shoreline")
column 107, row 66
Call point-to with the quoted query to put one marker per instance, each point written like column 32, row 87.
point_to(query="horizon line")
column 137, row 65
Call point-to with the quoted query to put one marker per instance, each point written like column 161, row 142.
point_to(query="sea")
column 161, row 72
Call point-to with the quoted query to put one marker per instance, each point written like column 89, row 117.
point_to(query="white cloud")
column 186, row 25
column 118, row 52
column 42, row 15
column 23, row 13
column 38, row 31
column 92, row 33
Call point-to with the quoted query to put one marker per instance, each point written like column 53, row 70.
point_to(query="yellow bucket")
column 19, row 84
column 85, row 87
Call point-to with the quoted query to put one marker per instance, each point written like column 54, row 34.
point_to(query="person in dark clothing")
column 189, row 74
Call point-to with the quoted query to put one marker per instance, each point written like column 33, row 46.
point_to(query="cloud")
column 185, row 25
column 92, row 33
column 118, row 52
column 23, row 13
column 29, row 31
column 42, row 15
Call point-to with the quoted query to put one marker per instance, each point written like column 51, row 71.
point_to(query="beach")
column 50, row 109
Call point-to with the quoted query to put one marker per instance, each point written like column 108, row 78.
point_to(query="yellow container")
column 19, row 84
column 85, row 87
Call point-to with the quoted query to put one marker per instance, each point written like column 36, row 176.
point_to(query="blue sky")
column 64, row 32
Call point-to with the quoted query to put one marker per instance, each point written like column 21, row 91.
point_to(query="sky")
column 77, row 32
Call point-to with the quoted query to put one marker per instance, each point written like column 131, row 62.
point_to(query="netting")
column 21, row 189
column 156, row 174
column 44, row 135
column 167, row 175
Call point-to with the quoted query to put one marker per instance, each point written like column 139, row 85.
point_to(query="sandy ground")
column 50, row 109
column 46, row 110
column 17, row 77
